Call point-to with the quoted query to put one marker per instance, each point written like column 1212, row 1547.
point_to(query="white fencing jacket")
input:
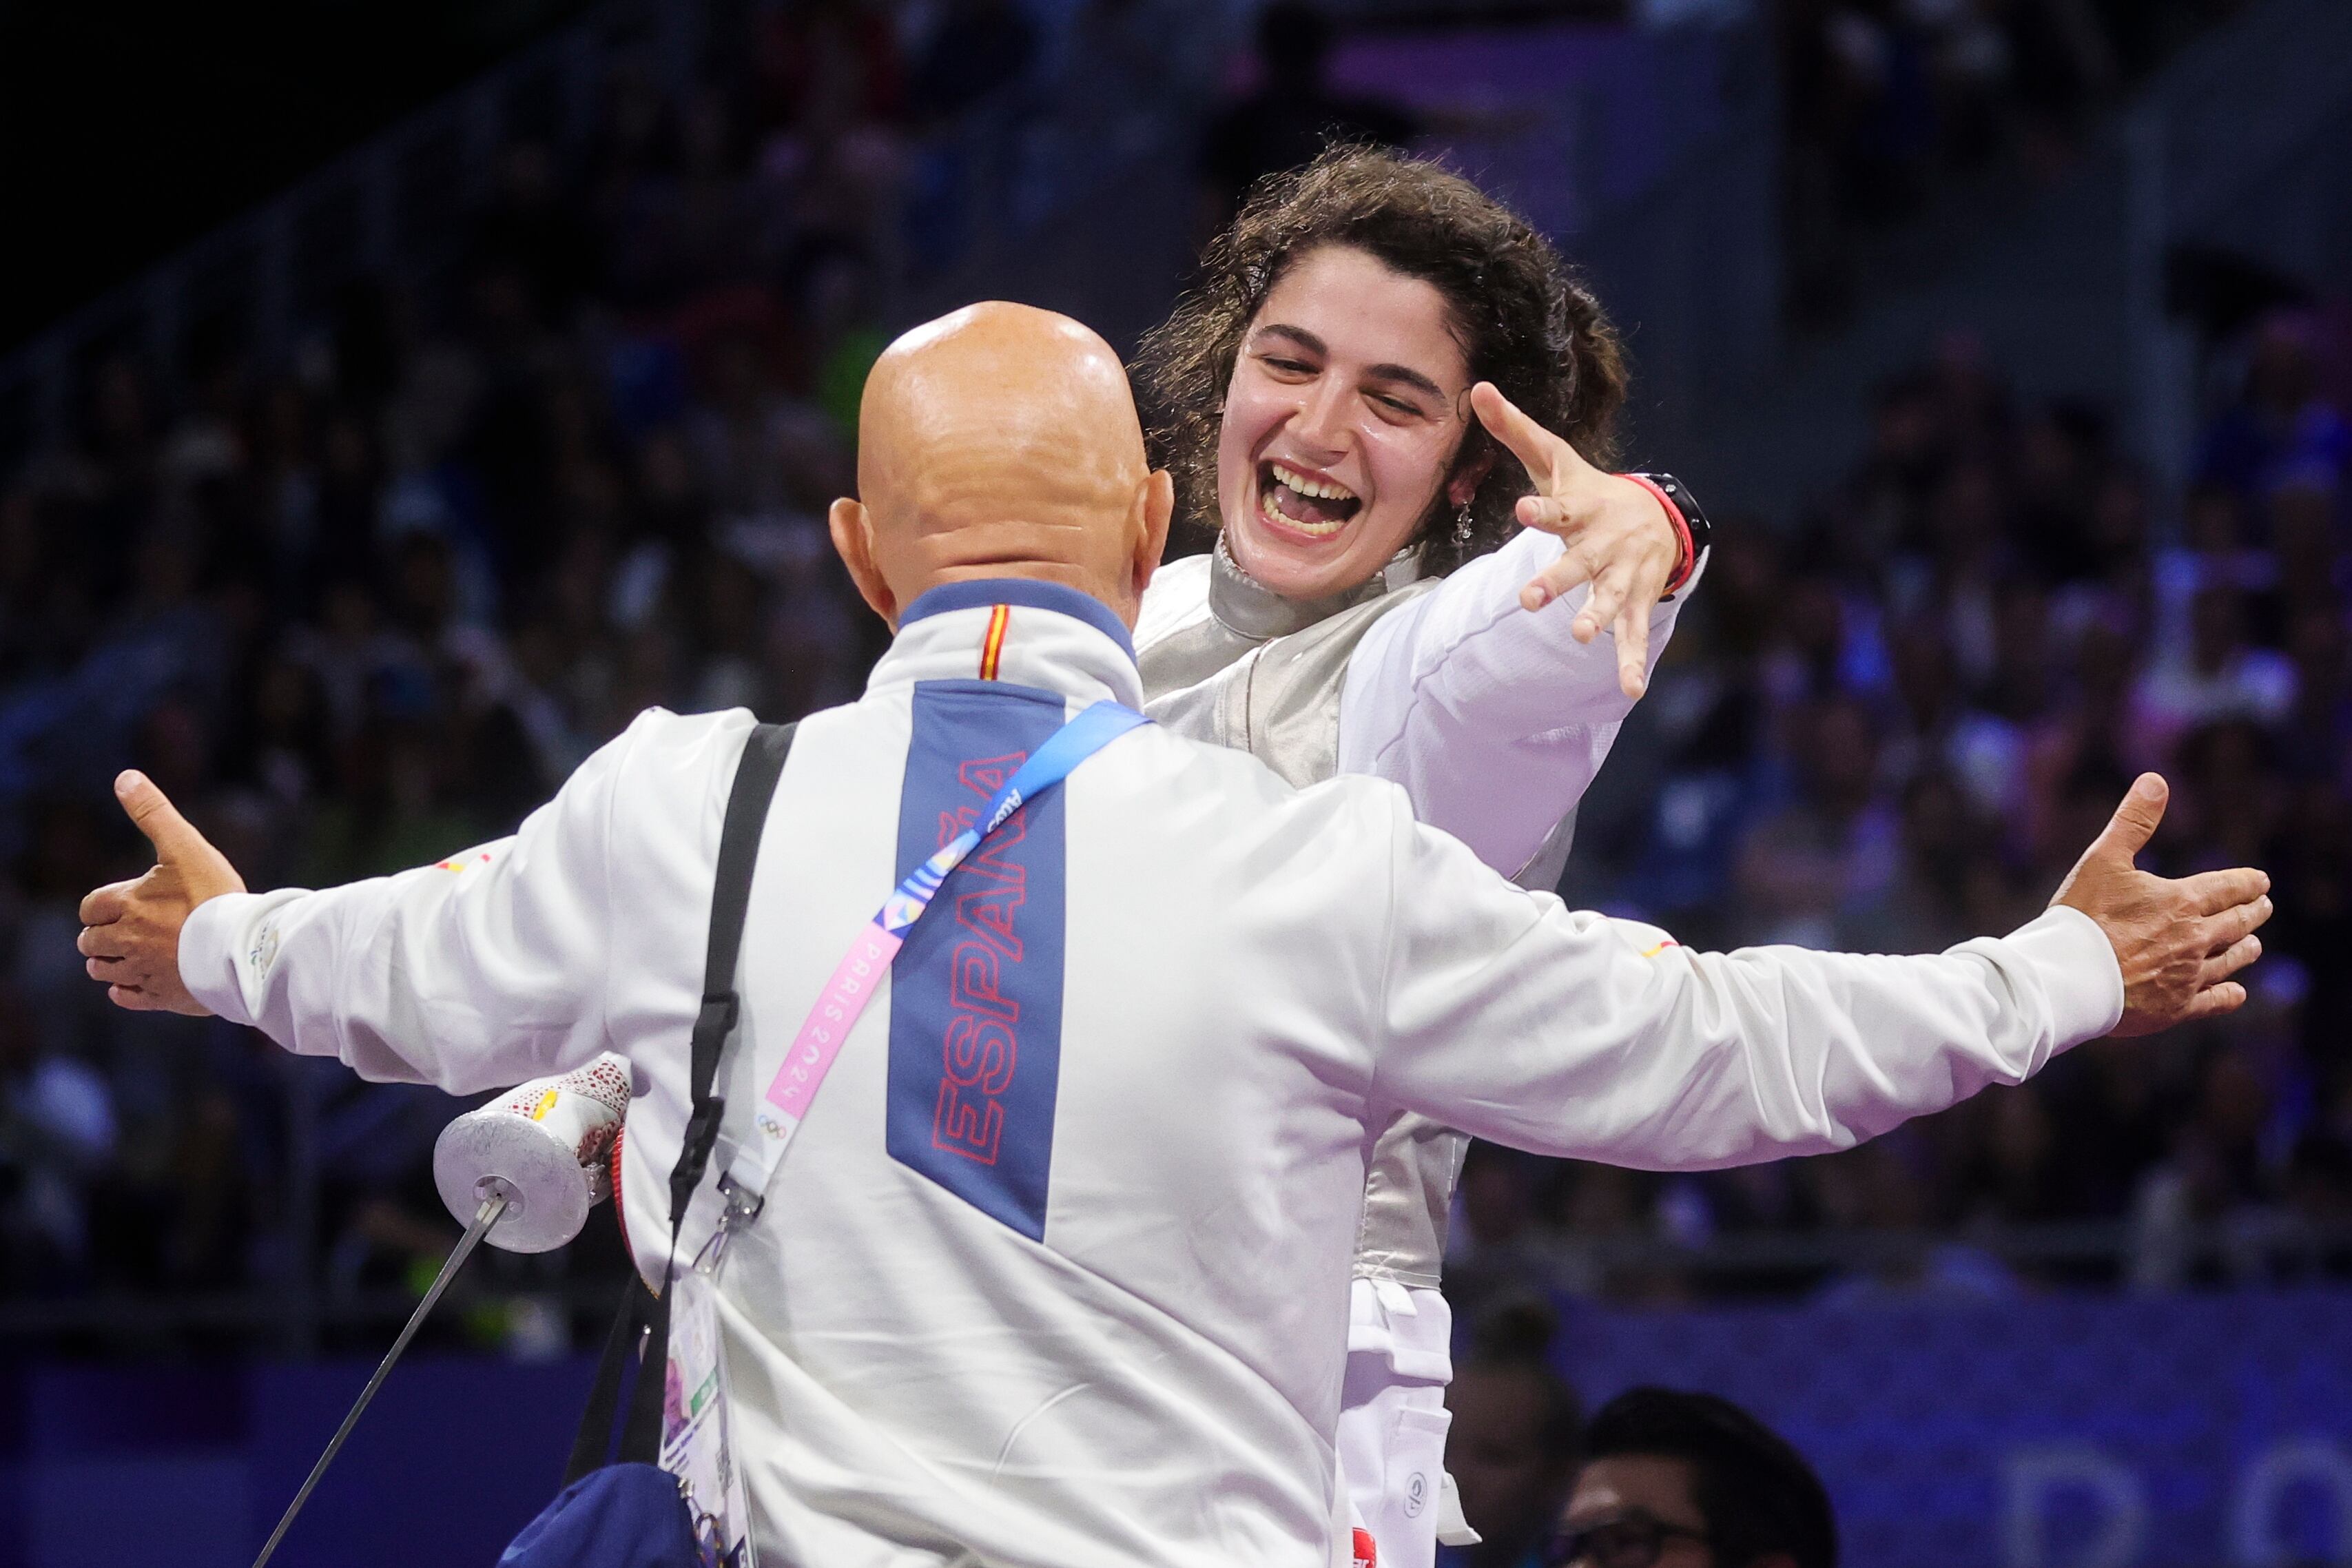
column 1495, row 719
column 1081, row 1298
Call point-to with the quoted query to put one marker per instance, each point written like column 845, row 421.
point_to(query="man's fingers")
column 2210, row 892
column 131, row 997
column 1555, row 579
column 2214, row 1000
column 2235, row 924
column 104, row 906
column 153, row 813
column 2135, row 821
column 1539, row 452
column 2231, row 960
column 102, row 941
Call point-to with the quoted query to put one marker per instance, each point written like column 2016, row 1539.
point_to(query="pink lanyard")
column 860, row 972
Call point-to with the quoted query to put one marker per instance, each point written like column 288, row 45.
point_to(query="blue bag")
column 622, row 1509
column 623, row 1516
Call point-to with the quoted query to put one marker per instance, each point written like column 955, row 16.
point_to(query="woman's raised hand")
column 1616, row 533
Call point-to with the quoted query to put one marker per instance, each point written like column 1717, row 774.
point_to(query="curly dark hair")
column 1524, row 320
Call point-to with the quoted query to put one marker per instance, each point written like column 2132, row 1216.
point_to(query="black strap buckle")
column 694, row 1153
column 702, row 1131
column 717, row 1018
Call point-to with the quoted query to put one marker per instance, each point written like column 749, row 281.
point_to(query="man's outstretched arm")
column 1577, row 1034
column 479, row 972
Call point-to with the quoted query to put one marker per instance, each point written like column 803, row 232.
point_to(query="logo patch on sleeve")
column 264, row 950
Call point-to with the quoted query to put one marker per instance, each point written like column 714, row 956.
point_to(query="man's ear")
column 1464, row 485
column 853, row 538
column 1157, row 505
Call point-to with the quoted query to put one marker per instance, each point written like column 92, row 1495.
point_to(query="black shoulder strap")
column 731, row 898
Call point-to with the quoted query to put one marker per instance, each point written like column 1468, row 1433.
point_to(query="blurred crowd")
column 1896, row 727
column 361, row 610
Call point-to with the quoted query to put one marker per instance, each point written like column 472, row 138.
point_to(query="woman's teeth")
column 1300, row 502
column 1307, row 485
column 1274, row 513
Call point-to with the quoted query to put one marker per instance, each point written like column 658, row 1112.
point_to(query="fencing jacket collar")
column 1018, row 630
column 1251, row 610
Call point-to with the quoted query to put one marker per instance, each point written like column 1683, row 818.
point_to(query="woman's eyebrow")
column 1299, row 335
column 1315, row 345
column 1410, row 377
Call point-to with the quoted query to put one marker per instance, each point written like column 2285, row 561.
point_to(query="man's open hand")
column 131, row 931
column 2178, row 943
column 1617, row 534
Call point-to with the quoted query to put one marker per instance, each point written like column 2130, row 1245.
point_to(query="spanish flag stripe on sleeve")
column 992, row 647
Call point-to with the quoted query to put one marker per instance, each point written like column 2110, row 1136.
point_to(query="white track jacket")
column 1056, row 1274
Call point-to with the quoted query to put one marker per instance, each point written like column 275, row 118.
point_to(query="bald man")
column 1055, row 1274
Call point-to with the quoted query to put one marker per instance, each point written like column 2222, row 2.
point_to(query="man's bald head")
column 1002, row 441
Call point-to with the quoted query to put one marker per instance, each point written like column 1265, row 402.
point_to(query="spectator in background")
column 1513, row 1446
column 1290, row 115
column 1486, row 1245
column 1887, row 1190
column 2279, row 431
column 1925, row 906
column 57, row 1133
column 1835, row 847
column 2217, row 675
column 1674, row 1479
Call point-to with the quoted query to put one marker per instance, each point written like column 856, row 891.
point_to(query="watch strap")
column 1690, row 524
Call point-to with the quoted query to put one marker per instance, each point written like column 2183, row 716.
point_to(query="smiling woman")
column 1347, row 407
column 1385, row 400
column 1418, row 283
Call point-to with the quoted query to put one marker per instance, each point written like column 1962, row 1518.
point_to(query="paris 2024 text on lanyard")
column 695, row 1445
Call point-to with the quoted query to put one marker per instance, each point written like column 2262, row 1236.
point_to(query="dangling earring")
column 1462, row 525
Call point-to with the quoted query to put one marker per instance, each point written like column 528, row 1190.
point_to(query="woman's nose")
column 1321, row 422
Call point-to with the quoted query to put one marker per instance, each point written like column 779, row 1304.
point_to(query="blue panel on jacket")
column 976, row 993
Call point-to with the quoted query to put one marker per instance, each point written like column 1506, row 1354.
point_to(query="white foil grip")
column 545, row 1145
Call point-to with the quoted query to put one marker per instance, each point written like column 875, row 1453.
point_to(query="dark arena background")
column 393, row 401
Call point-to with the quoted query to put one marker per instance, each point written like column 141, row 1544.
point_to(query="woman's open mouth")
column 1299, row 502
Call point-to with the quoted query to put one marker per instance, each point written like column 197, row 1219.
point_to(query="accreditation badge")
column 696, row 1446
